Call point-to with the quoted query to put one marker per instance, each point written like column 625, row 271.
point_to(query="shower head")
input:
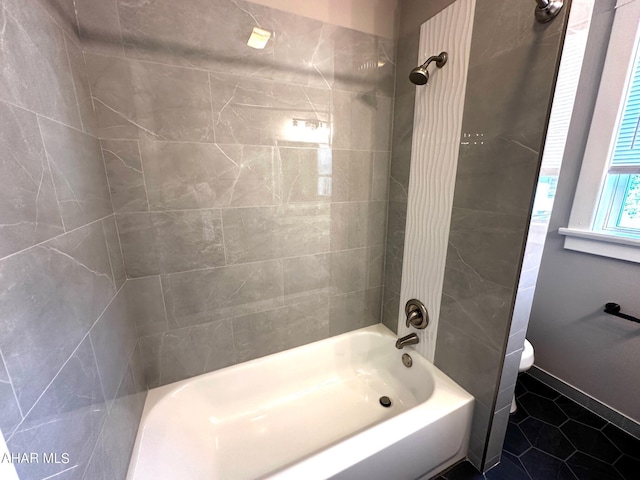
column 420, row 75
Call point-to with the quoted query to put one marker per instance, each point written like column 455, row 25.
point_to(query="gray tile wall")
column 509, row 89
column 69, row 380
column 249, row 186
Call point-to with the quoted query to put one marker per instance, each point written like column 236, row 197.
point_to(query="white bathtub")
column 312, row 412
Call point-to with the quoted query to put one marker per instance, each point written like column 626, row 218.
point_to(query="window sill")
column 605, row 245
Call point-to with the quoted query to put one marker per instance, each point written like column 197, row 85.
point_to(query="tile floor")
column 553, row 438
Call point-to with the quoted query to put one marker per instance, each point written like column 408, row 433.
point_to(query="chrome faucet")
column 410, row 339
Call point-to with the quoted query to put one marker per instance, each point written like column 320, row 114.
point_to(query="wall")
column 69, row 379
column 573, row 340
column 437, row 127
column 376, row 17
column 413, row 14
column 249, row 186
column 509, row 89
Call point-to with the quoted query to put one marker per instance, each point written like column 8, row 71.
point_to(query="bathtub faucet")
column 410, row 339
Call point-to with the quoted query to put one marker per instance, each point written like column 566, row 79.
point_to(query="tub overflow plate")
column 385, row 401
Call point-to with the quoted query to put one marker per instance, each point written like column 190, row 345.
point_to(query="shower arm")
column 546, row 10
column 439, row 59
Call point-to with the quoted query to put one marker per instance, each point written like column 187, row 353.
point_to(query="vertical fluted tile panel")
column 437, row 127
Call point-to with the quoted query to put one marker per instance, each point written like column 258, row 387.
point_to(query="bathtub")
column 313, row 412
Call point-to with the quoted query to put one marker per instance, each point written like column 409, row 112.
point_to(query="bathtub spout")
column 410, row 339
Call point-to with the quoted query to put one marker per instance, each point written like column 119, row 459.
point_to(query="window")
column 605, row 217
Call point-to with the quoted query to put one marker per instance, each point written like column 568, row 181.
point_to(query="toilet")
column 526, row 361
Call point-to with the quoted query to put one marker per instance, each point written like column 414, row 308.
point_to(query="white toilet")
column 526, row 361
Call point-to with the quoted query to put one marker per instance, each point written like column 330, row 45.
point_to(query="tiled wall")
column 249, row 186
column 509, row 88
column 69, row 381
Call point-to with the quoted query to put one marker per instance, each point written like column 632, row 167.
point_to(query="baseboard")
column 609, row 414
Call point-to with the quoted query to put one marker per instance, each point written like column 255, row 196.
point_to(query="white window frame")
column 580, row 234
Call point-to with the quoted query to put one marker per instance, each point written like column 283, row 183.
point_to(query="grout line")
column 53, row 183
column 54, row 238
column 309, row 203
column 164, row 304
column 144, row 178
column 65, row 362
column 268, row 310
column 256, row 262
column 104, row 236
column 15, row 396
column 73, row 80
column 322, row 85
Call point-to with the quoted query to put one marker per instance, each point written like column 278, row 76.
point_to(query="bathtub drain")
column 385, row 401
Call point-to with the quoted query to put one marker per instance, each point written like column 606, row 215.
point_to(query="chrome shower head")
column 420, row 75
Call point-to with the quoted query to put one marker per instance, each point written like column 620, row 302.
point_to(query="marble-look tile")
column 307, row 174
column 29, row 210
column 153, row 31
column 487, row 244
column 517, row 98
column 472, row 364
column 125, row 174
column 114, row 338
column 403, row 111
column 81, row 84
column 78, row 174
column 167, row 242
column 255, row 111
column 307, row 277
column 349, row 270
column 62, row 12
column 66, row 419
column 499, row 175
column 352, row 176
column 353, row 59
column 395, row 245
column 361, row 121
column 198, row 175
column 357, row 224
column 380, row 176
column 204, row 296
column 146, row 305
column 186, row 352
column 390, row 309
column 270, row 332
column 115, row 252
column 134, row 98
column 264, row 233
column 386, row 66
column 375, row 269
column 407, row 58
column 355, row 310
column 516, row 26
column 30, row 33
column 51, row 295
column 400, row 171
column 111, row 456
column 476, row 305
column 99, row 26
column 10, row 415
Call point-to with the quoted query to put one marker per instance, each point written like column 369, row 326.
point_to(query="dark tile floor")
column 553, row 438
